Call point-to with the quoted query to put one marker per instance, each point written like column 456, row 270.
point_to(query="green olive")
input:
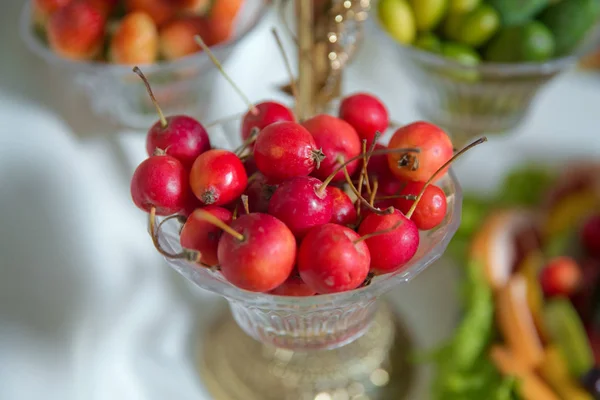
column 428, row 13
column 452, row 24
column 397, row 18
column 463, row 6
column 478, row 26
column 429, row 42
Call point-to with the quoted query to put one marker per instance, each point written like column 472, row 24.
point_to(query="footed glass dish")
column 488, row 98
column 279, row 347
column 180, row 86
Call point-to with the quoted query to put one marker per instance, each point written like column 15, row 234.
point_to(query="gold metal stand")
column 374, row 367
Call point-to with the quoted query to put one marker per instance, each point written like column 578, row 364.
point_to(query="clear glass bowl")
column 317, row 322
column 180, row 86
column 487, row 98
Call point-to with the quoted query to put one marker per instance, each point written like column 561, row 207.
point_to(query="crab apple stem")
column 367, row 158
column 208, row 217
column 397, row 196
column 358, row 157
column 374, row 192
column 363, row 172
column 364, row 201
column 440, row 169
column 223, row 120
column 245, row 204
column 161, row 116
column 286, row 61
column 394, row 124
column 186, row 254
column 217, row 63
column 282, row 17
column 235, row 212
column 368, row 279
column 249, row 140
column 381, row 232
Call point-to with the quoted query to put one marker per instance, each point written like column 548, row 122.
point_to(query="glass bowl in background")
column 488, row 98
column 318, row 322
column 180, row 86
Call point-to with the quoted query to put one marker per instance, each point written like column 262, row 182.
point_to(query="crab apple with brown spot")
column 397, row 243
column 343, row 209
column 366, row 113
column 218, row 177
column 264, row 257
column 182, row 137
column 202, row 236
column 301, row 203
column 339, row 142
column 160, row 182
column 76, row 31
column 431, row 208
column 286, row 150
column 330, row 259
column 135, row 40
column 259, row 193
column 435, row 150
column 264, row 114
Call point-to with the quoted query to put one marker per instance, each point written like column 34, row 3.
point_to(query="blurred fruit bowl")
column 180, row 74
column 479, row 64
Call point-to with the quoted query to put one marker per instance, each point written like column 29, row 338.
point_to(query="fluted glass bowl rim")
column 378, row 286
column 494, row 68
column 32, row 41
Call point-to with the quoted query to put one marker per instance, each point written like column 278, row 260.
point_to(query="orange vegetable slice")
column 516, row 322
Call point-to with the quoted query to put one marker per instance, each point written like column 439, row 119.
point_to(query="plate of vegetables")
column 530, row 327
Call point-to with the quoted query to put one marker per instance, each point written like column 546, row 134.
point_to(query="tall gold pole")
column 305, row 103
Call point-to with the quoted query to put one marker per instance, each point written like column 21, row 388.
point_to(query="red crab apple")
column 264, row 114
column 435, row 149
column 160, row 182
column 395, row 240
column 43, row 9
column 135, row 40
column 218, row 177
column 560, row 277
column 259, row 193
column 181, row 136
column 431, row 209
column 366, row 113
column 258, row 254
column 293, row 286
column 339, row 142
column 301, row 203
column 199, row 234
column 161, row 11
column 176, row 38
column 106, row 7
column 76, row 31
column 343, row 210
column 285, row 150
column 331, row 259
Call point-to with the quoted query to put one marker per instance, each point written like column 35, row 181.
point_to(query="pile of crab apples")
column 302, row 208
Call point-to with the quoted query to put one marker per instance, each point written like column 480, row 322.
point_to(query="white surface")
column 88, row 310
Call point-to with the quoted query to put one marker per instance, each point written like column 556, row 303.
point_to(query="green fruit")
column 462, row 6
column 461, row 53
column 516, row 12
column 570, row 21
column 428, row 13
column 478, row 26
column 452, row 24
column 532, row 42
column 429, row 42
column 397, row 18
column 567, row 332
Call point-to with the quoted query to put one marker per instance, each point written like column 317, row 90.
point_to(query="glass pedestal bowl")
column 180, row 86
column 326, row 342
column 470, row 101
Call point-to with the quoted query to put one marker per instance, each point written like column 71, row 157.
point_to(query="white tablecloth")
column 88, row 310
